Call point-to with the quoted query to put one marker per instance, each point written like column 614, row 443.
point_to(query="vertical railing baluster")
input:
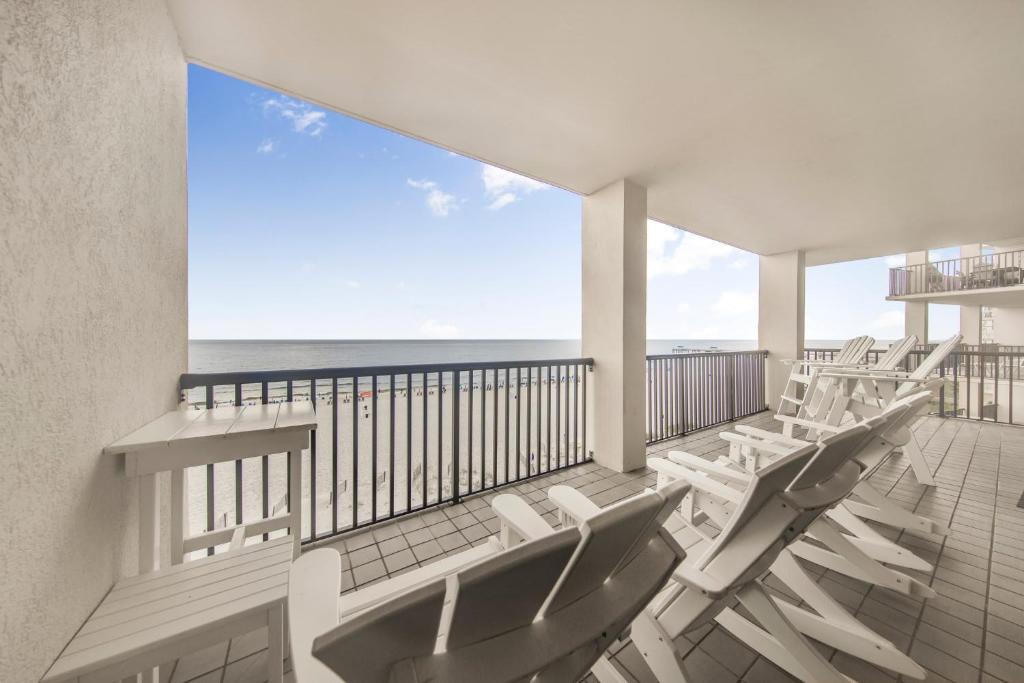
column 265, row 464
column 494, row 444
column 238, row 465
column 586, row 455
column 519, row 389
column 440, row 436
column 373, row 448
column 455, row 435
column 334, row 451
column 408, row 442
column 469, row 434
column 210, row 494
column 423, row 471
column 354, row 486
column 312, row 470
column 529, row 421
column 506, row 422
column 391, row 446
column 547, row 422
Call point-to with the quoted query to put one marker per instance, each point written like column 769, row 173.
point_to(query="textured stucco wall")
column 93, row 320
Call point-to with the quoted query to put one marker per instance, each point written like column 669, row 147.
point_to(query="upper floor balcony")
column 985, row 280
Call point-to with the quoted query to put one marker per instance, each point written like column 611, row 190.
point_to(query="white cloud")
column 740, row 263
column 303, row 117
column 683, row 307
column 436, row 330
column 673, row 252
column 505, row 187
column 896, row 261
column 732, row 304
column 439, row 202
column 353, row 284
column 266, row 147
column 504, row 199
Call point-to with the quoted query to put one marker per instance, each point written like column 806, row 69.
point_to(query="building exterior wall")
column 92, row 297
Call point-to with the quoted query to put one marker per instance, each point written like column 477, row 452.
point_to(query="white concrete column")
column 915, row 315
column 780, row 316
column 970, row 316
column 615, row 321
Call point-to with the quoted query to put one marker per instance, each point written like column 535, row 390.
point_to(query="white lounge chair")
column 820, row 389
column 800, row 385
column 863, row 393
column 542, row 610
column 829, row 622
column 755, row 524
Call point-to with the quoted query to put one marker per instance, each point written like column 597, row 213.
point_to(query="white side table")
column 187, row 438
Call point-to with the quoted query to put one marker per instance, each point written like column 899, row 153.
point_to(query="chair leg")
column 846, row 558
column 605, row 672
column 875, row 545
column 776, row 638
column 835, row 626
column 878, row 508
column 917, row 462
column 275, row 644
column 657, row 649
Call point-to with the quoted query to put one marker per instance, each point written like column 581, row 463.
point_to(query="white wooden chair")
column 800, row 387
column 755, row 524
column 820, row 390
column 833, row 470
column 542, row 610
column 864, row 393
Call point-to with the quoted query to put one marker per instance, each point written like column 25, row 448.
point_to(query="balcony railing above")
column 1004, row 269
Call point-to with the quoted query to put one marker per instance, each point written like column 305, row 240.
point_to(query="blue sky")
column 307, row 224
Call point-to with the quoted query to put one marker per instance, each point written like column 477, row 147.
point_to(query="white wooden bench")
column 157, row 617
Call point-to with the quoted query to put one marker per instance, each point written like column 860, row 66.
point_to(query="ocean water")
column 249, row 355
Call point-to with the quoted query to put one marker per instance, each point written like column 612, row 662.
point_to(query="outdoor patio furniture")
column 157, row 617
column 851, row 353
column 181, row 439
column 820, row 616
column 540, row 610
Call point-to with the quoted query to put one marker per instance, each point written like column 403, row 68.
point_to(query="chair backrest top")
column 853, row 350
column 497, row 595
column 617, row 532
column 765, row 483
column 834, row 451
column 934, row 359
column 894, row 355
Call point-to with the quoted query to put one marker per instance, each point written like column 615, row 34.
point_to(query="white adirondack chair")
column 752, row 447
column 541, row 610
column 819, row 393
column 801, row 383
column 863, row 393
column 755, row 524
column 826, row 620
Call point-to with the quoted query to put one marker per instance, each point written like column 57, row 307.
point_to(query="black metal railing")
column 981, row 382
column 690, row 391
column 395, row 440
column 1002, row 269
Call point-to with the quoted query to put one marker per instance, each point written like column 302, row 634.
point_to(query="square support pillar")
column 970, row 316
column 915, row 315
column 780, row 317
column 615, row 321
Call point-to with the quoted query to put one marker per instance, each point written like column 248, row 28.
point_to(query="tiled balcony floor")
column 973, row 631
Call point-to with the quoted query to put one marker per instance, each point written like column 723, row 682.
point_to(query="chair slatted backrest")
column 499, row 594
column 934, row 359
column 834, row 451
column 607, row 537
column 507, row 593
column 766, row 483
column 891, row 359
column 671, row 496
column 881, row 444
column 853, row 351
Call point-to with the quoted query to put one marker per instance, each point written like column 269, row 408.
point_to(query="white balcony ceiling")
column 846, row 129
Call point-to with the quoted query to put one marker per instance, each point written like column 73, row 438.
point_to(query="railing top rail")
column 691, row 354
column 961, row 352
column 958, row 259
column 191, row 380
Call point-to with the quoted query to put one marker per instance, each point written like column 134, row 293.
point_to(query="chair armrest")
column 698, row 480
column 770, row 436
column 695, row 462
column 809, row 424
column 689, row 575
column 314, row 582
column 572, row 504
column 519, row 521
column 759, row 444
